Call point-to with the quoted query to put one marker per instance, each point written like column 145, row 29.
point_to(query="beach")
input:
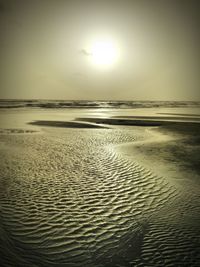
column 99, row 187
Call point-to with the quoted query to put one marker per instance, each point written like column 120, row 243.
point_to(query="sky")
column 48, row 49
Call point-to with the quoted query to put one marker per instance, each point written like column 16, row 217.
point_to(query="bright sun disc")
column 104, row 53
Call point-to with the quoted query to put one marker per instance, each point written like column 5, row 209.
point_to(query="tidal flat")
column 99, row 187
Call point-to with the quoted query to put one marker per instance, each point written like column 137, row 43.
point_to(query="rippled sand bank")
column 105, row 197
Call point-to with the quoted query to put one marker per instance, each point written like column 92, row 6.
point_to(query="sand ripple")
column 68, row 198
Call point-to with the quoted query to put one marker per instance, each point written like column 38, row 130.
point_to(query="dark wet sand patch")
column 180, row 152
column 138, row 121
column 186, row 149
column 124, row 122
column 128, row 121
column 179, row 114
column 66, row 124
column 164, row 118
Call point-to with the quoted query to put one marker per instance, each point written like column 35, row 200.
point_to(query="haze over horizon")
column 100, row 50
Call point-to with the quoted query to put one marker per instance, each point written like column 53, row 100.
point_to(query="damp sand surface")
column 76, row 191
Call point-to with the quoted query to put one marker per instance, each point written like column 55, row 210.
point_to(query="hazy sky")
column 45, row 49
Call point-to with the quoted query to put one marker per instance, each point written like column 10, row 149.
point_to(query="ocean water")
column 95, row 104
column 70, row 198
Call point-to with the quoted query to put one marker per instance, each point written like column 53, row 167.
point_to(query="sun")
column 104, row 53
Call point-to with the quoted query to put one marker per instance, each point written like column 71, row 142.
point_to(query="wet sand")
column 100, row 192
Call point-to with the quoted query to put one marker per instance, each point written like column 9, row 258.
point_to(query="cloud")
column 85, row 53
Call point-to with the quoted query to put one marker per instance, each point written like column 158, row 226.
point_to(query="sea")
column 10, row 103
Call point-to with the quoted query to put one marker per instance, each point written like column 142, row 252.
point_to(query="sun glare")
column 103, row 53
